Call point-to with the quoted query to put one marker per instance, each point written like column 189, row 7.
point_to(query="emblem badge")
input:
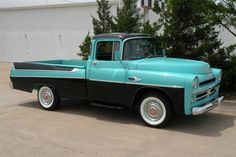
column 208, row 92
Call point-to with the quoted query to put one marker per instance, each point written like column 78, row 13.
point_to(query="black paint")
column 97, row 91
column 70, row 88
column 120, row 35
column 35, row 66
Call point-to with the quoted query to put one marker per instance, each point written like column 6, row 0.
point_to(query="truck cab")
column 125, row 70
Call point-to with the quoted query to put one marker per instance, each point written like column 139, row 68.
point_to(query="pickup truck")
column 126, row 70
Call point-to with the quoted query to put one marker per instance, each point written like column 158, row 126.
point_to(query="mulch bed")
column 229, row 96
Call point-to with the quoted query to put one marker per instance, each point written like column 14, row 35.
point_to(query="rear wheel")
column 47, row 98
column 155, row 110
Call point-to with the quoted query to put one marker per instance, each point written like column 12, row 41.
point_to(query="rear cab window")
column 108, row 50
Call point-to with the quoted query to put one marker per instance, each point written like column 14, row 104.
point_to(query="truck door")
column 106, row 81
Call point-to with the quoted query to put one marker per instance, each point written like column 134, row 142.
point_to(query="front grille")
column 205, row 94
column 207, row 81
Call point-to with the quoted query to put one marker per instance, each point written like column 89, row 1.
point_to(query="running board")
column 106, row 106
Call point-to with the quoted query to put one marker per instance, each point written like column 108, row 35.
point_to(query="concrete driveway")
column 78, row 129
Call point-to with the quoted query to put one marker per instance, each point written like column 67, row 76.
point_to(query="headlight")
column 220, row 76
column 195, row 82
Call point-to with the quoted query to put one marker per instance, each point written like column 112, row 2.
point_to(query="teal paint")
column 159, row 71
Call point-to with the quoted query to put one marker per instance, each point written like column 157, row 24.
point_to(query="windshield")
column 141, row 48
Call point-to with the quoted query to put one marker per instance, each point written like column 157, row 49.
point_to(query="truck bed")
column 66, row 63
column 66, row 76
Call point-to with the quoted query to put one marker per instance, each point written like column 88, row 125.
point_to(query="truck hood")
column 173, row 65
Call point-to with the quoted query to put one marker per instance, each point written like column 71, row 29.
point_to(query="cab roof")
column 120, row 35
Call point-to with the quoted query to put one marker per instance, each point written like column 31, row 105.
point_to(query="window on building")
column 161, row 4
column 146, row 3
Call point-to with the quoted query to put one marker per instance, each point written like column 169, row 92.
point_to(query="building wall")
column 226, row 37
column 44, row 33
column 40, row 32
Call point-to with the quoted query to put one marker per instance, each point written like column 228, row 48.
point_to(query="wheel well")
column 144, row 91
column 39, row 85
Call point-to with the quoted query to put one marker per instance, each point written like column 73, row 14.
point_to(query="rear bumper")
column 207, row 107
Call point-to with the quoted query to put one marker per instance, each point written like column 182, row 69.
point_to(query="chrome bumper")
column 207, row 107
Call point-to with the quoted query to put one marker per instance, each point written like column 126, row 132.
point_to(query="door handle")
column 94, row 62
column 134, row 78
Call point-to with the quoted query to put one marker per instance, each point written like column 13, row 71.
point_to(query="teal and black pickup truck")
column 125, row 70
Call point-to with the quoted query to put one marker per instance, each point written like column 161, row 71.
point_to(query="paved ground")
column 77, row 129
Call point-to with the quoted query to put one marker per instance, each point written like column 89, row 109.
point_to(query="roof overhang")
column 60, row 5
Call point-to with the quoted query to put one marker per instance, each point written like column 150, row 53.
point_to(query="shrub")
column 225, row 59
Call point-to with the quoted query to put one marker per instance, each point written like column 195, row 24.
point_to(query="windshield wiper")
column 136, row 58
column 152, row 56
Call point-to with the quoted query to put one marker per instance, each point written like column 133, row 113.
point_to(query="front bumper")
column 207, row 107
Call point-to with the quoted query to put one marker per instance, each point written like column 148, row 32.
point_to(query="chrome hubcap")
column 46, row 97
column 153, row 111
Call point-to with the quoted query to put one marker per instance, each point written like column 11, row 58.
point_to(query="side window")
column 116, row 51
column 104, row 50
column 108, row 50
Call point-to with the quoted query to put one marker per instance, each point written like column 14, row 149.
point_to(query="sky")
column 22, row 3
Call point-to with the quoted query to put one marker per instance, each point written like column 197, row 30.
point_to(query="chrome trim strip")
column 206, row 95
column 27, row 76
column 107, row 81
column 73, row 70
column 134, row 78
column 200, row 83
column 207, row 107
column 203, row 90
column 156, row 85
column 134, row 83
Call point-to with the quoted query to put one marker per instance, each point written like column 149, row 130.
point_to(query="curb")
column 230, row 101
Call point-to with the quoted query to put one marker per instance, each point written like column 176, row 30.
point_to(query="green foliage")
column 128, row 18
column 225, row 14
column 85, row 47
column 187, row 32
column 148, row 28
column 225, row 59
column 104, row 23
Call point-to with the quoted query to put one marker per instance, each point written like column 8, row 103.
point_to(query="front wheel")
column 155, row 110
column 47, row 98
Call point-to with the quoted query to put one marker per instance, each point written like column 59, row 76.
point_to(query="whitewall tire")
column 48, row 98
column 155, row 110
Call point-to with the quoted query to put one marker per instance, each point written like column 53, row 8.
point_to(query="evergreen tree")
column 147, row 28
column 128, row 18
column 188, row 33
column 225, row 15
column 225, row 59
column 101, row 25
column 104, row 22
column 85, row 47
